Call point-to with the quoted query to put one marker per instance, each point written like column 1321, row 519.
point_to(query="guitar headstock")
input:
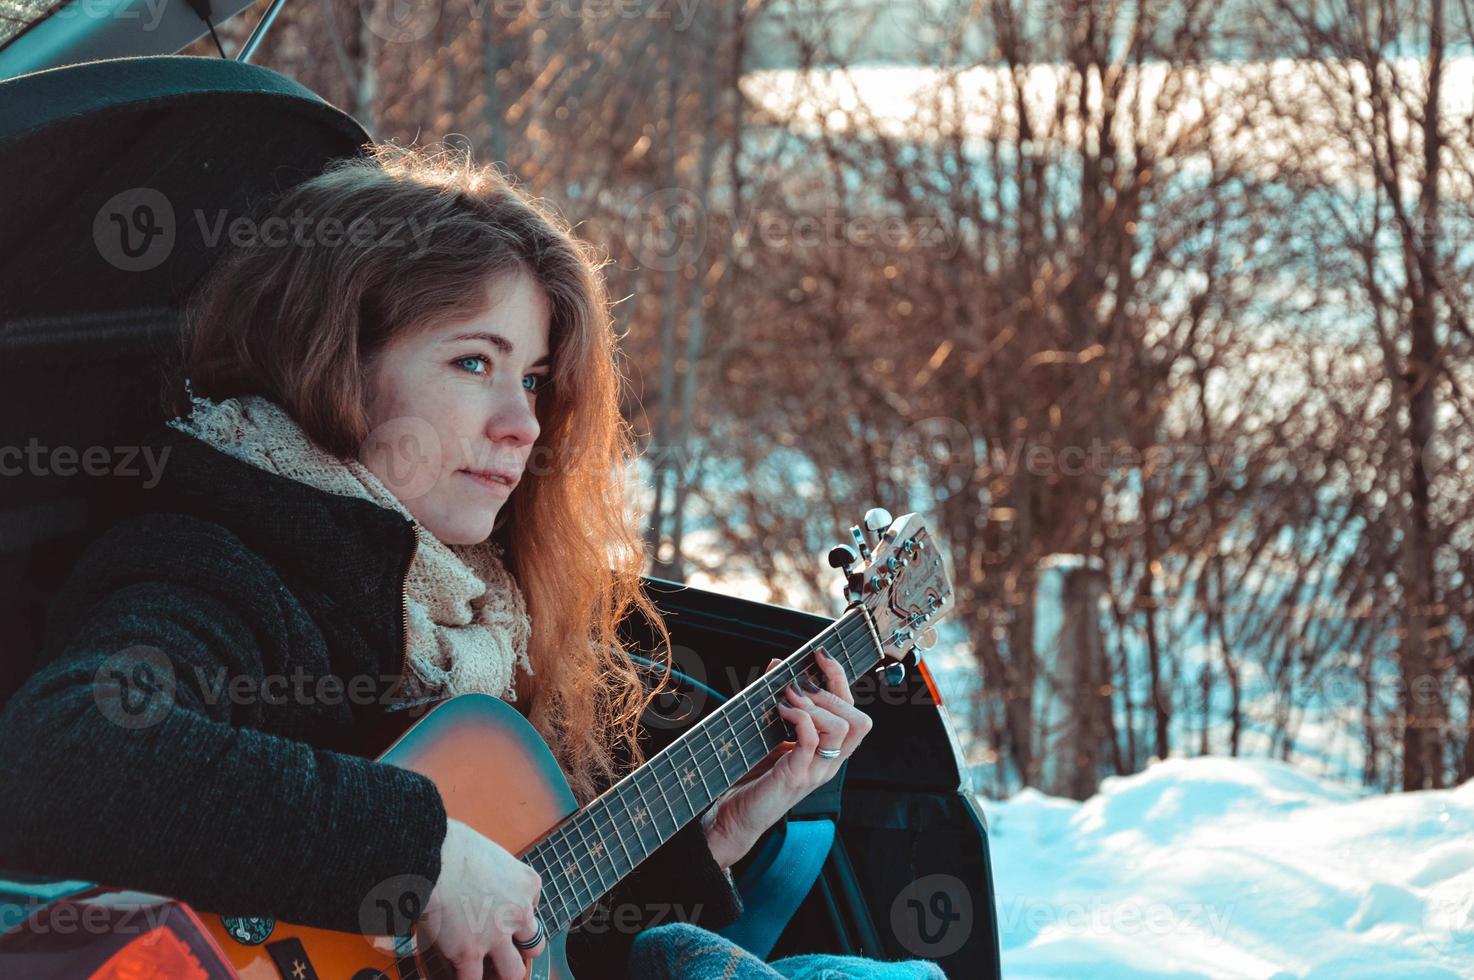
column 900, row 579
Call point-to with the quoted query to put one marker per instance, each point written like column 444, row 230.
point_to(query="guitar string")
column 759, row 724
column 591, row 814
column 795, row 664
column 798, row 663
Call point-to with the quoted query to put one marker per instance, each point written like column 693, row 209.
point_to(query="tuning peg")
column 860, row 543
column 893, row 673
column 877, row 519
column 842, row 556
column 927, row 639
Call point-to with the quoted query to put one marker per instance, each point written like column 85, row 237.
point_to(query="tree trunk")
column 1081, row 655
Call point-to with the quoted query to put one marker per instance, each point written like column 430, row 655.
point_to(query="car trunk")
column 119, row 173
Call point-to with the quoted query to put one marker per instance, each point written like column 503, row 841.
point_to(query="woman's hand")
column 823, row 718
column 482, row 899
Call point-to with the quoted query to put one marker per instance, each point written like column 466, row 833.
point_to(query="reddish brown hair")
column 298, row 324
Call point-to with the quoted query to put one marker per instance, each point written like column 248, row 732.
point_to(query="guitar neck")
column 593, row 850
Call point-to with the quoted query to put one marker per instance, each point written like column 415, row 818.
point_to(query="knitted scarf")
column 468, row 622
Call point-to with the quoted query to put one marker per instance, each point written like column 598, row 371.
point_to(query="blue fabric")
column 773, row 886
column 681, row 951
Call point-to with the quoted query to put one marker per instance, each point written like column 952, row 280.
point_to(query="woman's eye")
column 540, row 382
column 473, row 359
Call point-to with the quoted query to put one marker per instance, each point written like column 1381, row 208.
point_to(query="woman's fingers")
column 806, row 741
column 838, row 698
column 468, row 966
column 834, row 676
column 526, row 931
column 508, row 961
column 826, row 729
column 858, row 722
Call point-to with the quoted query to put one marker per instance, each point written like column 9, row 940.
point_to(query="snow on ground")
column 1218, row 867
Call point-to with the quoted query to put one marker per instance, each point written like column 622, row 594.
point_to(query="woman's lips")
column 490, row 482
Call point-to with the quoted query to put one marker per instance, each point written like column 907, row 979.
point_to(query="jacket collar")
column 351, row 550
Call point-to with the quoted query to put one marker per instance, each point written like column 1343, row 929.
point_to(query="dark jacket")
column 250, row 803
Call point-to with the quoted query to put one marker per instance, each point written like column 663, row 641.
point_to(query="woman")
column 400, row 462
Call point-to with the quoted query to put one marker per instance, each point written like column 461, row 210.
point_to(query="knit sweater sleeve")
column 123, row 766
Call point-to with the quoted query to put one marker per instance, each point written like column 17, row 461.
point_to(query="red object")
column 111, row 935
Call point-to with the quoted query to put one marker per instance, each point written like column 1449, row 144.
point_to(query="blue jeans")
column 680, row 951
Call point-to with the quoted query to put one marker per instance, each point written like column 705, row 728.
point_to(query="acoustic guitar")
column 894, row 592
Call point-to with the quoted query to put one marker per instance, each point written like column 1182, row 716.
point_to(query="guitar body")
column 494, row 773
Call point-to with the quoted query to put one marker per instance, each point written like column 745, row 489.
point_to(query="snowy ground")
column 1216, row 867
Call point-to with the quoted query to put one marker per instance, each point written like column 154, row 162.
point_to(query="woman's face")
column 454, row 403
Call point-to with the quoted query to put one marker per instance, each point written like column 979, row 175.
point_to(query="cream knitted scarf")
column 468, row 622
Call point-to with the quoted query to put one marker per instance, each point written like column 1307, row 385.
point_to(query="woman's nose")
column 514, row 420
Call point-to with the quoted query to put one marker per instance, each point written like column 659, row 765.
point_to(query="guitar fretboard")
column 593, row 850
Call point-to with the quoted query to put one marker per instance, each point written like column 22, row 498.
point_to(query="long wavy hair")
column 377, row 246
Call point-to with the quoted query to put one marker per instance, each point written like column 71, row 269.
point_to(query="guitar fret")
column 624, row 807
column 700, row 769
column 684, row 792
column 618, row 833
column 545, row 865
column 732, row 741
column 660, row 785
column 650, row 815
column 584, row 895
column 558, row 884
column 844, row 657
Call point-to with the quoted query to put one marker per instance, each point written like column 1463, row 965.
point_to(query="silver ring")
column 537, row 937
column 829, row 753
